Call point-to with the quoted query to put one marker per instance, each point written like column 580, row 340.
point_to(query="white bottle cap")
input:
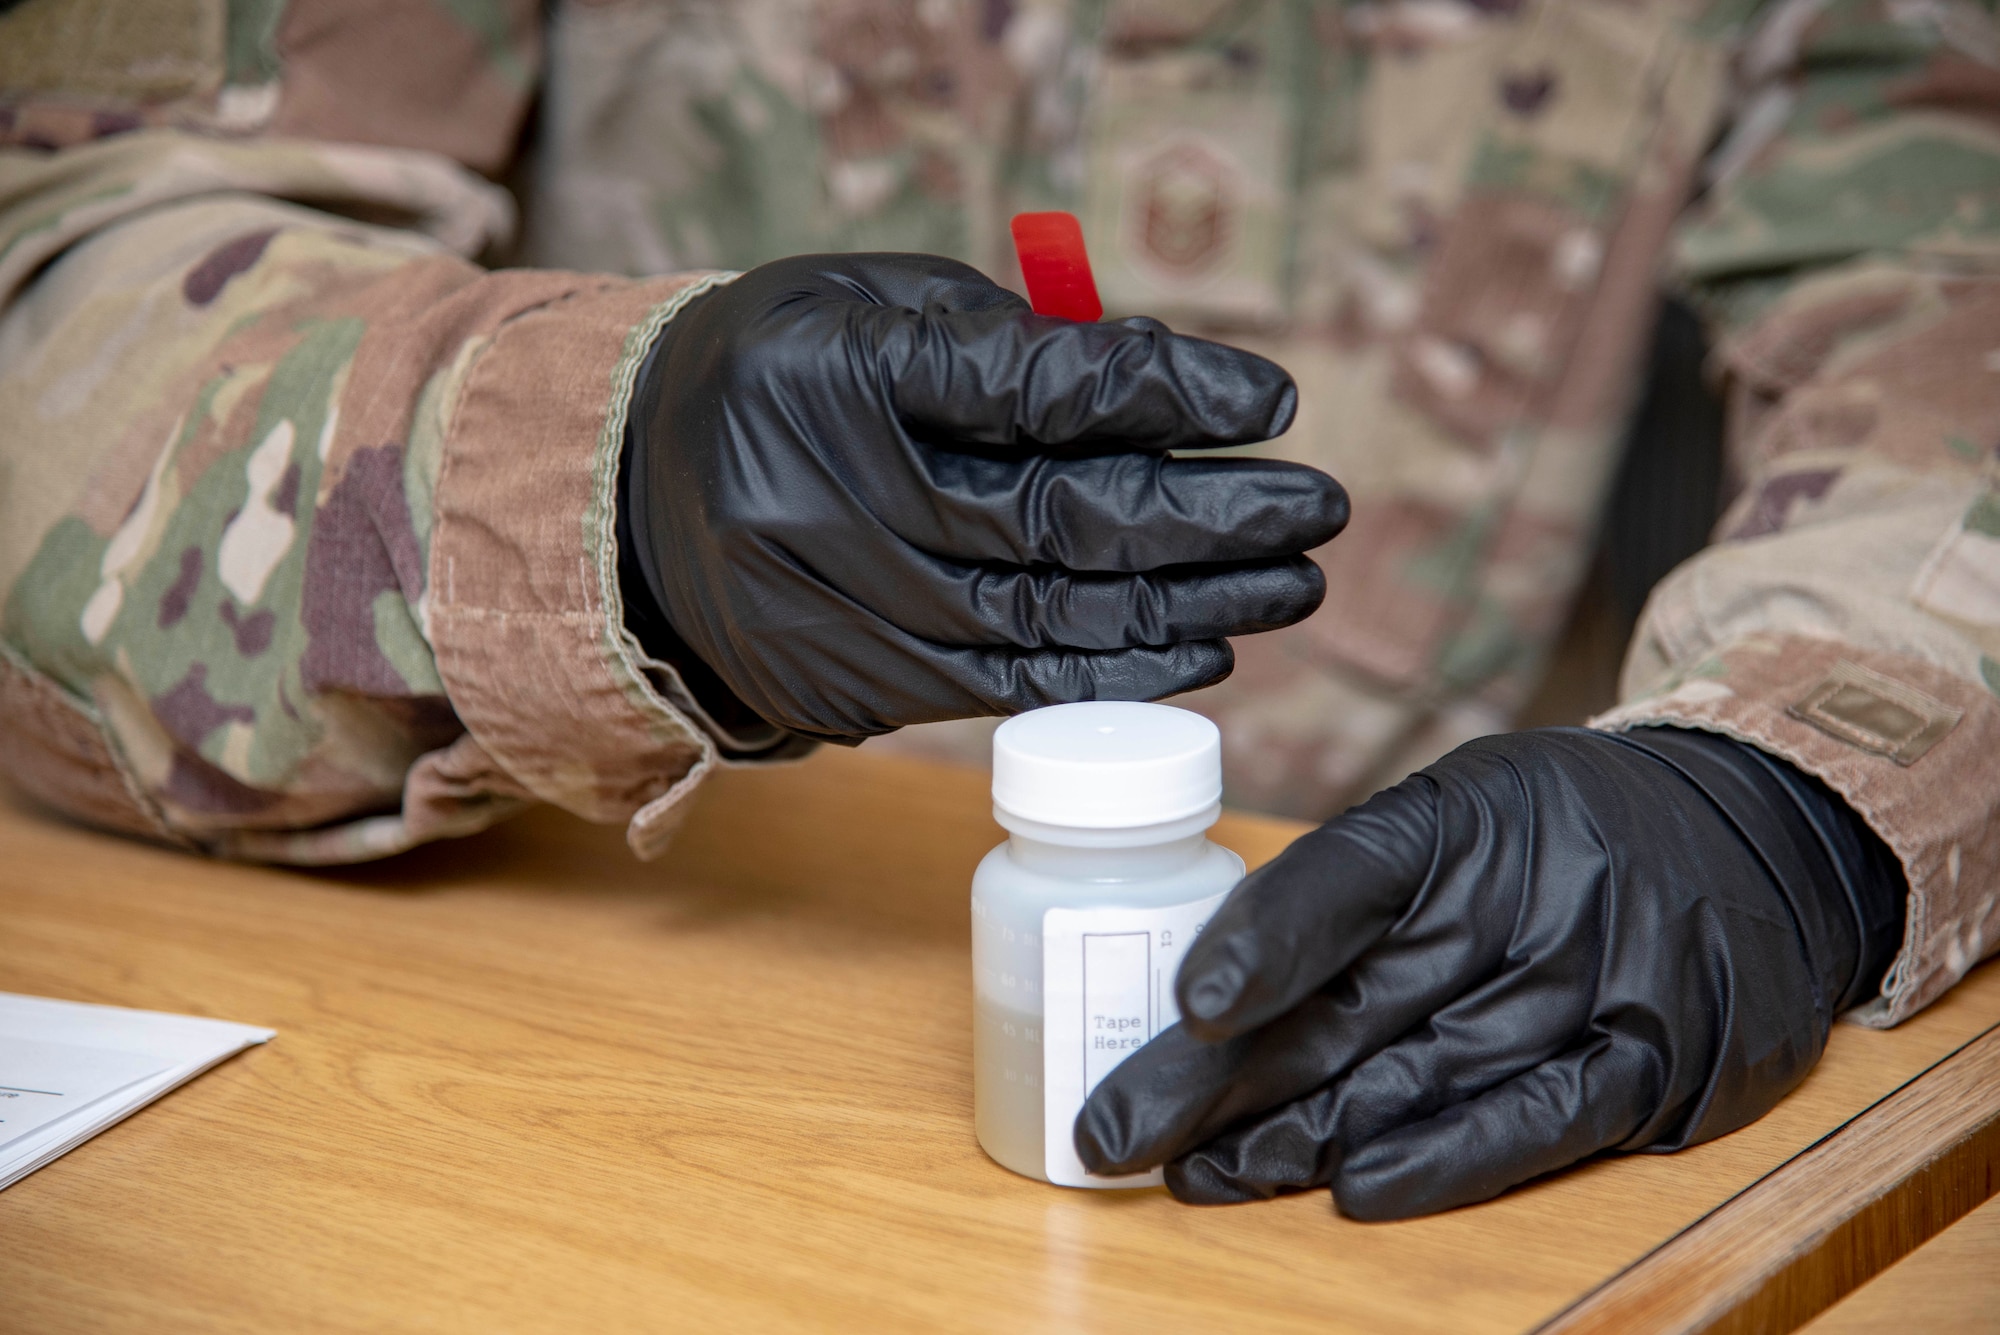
column 1107, row 765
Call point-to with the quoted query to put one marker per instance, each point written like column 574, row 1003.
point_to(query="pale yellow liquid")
column 1007, row 1086
column 1009, row 899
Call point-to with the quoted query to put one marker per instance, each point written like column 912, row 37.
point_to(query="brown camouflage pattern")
column 260, row 534
column 454, row 77
column 1868, row 535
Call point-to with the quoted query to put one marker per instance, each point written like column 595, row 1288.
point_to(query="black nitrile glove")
column 1545, row 945
column 872, row 490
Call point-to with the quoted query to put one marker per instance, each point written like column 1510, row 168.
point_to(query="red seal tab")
column 1055, row 266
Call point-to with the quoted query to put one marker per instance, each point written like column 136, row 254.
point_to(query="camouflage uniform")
column 304, row 518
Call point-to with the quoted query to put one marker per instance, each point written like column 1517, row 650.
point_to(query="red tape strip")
column 1055, row 265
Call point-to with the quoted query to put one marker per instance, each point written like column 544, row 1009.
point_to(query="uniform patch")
column 1876, row 713
column 1183, row 201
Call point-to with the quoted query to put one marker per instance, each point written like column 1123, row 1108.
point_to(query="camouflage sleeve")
column 448, row 77
column 305, row 527
column 1848, row 617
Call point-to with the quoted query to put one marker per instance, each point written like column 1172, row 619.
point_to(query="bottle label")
column 1107, row 988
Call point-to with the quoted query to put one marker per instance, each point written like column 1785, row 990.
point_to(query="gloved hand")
column 873, row 490
column 1545, row 945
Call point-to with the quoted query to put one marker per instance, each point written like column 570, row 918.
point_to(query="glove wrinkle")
column 875, row 490
column 1546, row 946
column 1290, row 1152
column 1552, row 1116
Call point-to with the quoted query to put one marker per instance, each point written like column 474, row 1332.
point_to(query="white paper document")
column 68, row 1070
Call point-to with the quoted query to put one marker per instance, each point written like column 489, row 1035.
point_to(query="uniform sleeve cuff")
column 524, row 610
column 1913, row 748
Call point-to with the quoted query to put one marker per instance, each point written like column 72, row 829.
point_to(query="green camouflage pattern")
column 187, row 560
column 452, row 77
column 1448, row 218
column 183, row 550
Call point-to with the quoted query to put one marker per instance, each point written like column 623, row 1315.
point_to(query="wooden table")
column 522, row 1083
column 1948, row 1286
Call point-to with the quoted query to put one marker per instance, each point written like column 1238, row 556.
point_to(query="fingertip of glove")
column 1206, row 1003
column 1202, row 663
column 1286, row 410
column 1281, row 594
column 1268, row 404
column 1336, row 506
column 1330, row 511
column 1242, row 396
column 1100, row 1139
column 1211, row 985
column 1370, row 1187
column 1297, row 507
column 1364, row 1206
column 1386, row 1180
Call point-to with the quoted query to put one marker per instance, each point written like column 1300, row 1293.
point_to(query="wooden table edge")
column 1827, row 1220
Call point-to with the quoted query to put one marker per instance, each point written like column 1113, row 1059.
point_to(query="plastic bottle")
column 1080, row 919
